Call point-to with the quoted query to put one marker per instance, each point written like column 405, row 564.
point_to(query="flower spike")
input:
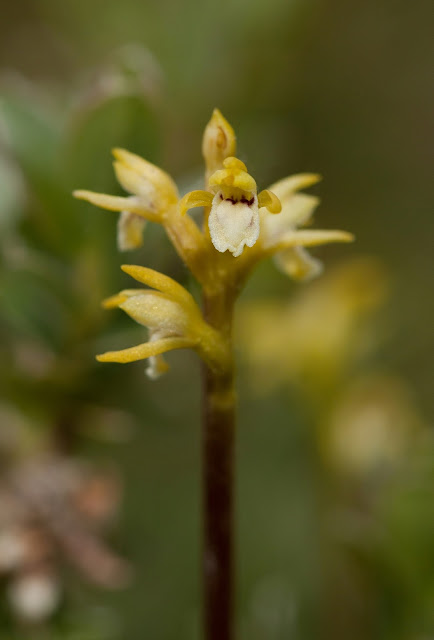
column 237, row 219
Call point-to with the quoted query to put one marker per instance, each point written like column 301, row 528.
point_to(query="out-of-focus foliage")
column 372, row 453
column 56, row 264
column 336, row 460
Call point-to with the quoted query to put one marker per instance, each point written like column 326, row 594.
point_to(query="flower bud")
column 218, row 142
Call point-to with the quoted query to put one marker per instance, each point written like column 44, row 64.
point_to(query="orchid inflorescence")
column 240, row 227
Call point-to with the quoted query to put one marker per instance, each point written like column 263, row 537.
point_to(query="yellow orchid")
column 173, row 318
column 240, row 227
column 152, row 192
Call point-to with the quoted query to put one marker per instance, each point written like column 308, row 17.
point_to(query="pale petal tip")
column 113, row 301
column 81, row 194
column 346, row 236
column 113, row 356
column 119, row 153
column 307, row 180
column 315, row 177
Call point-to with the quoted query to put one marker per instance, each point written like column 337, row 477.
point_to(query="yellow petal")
column 135, row 183
column 116, row 203
column 218, row 142
column 288, row 186
column 195, row 199
column 312, row 238
column 269, row 200
column 148, row 172
column 145, row 350
column 159, row 281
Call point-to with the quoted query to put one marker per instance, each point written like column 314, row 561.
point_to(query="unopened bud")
column 218, row 142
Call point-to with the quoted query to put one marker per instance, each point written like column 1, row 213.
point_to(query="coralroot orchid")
column 240, row 227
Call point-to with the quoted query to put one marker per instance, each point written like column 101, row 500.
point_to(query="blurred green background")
column 336, row 461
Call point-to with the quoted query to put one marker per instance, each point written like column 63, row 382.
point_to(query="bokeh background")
column 100, row 467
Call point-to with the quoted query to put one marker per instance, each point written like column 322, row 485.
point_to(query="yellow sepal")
column 132, row 204
column 147, row 172
column 159, row 281
column 146, row 350
column 134, row 183
column 286, row 187
column 312, row 238
column 195, row 199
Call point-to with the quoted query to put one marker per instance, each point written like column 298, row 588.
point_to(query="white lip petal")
column 157, row 365
column 130, row 231
column 233, row 225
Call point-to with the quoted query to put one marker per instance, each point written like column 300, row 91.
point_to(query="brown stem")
column 218, row 492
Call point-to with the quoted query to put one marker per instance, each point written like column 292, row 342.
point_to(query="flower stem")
column 218, row 479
